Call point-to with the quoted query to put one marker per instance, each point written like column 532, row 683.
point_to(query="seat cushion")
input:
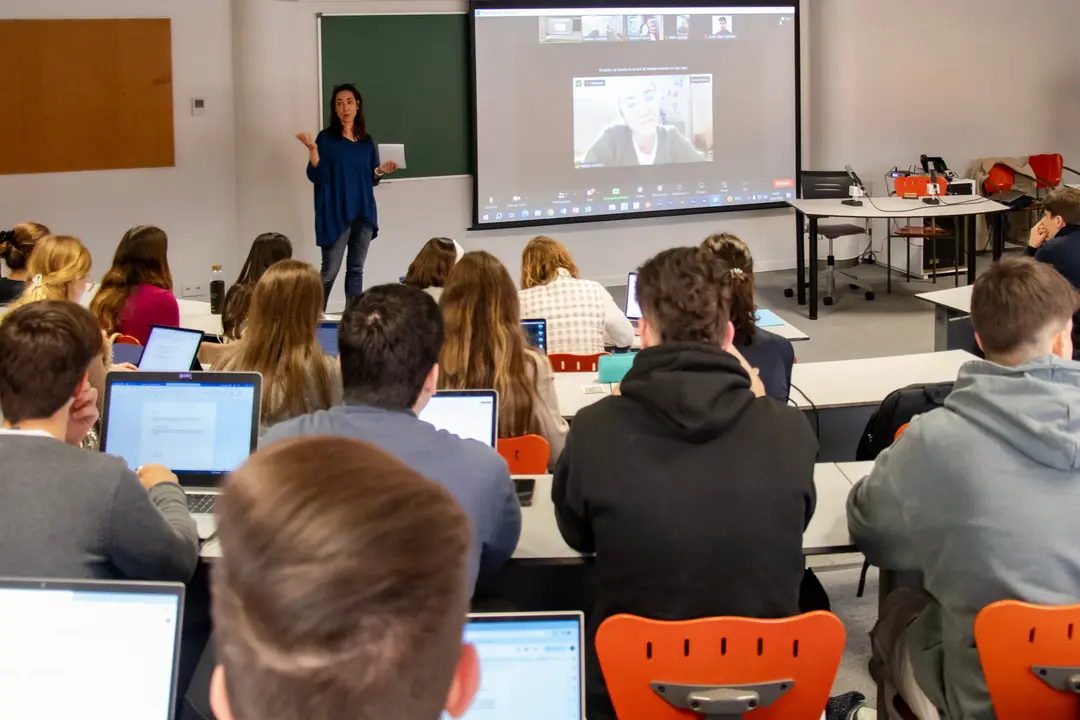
column 839, row 230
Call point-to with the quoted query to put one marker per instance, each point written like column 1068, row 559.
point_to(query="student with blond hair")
column 485, row 348
column 582, row 317
column 280, row 342
column 16, row 245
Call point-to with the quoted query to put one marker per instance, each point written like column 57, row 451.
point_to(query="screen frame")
column 475, row 5
column 493, row 394
column 543, row 324
column 188, row 479
column 169, row 328
column 119, row 587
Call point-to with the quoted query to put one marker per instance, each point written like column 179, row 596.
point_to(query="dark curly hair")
column 687, row 294
column 732, row 250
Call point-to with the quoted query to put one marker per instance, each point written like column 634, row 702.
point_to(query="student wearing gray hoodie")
column 980, row 495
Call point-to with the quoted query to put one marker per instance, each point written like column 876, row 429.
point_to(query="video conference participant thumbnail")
column 624, row 121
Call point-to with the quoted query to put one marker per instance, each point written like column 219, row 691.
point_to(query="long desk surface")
column 896, row 207
column 577, row 390
column 849, row 383
column 957, row 299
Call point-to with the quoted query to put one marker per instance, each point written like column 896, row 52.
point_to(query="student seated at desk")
column 136, row 292
column 280, row 342
column 267, row 249
column 485, row 349
column 980, row 495
column 432, row 265
column 66, row 512
column 582, row 317
column 771, row 355
column 692, row 487
column 1056, row 240
column 16, row 245
column 389, row 342
column 341, row 590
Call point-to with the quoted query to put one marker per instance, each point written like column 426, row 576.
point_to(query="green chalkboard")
column 413, row 72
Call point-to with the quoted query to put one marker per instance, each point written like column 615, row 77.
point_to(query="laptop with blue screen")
column 531, row 666
column 67, row 645
column 633, row 309
column 328, row 335
column 202, row 426
column 469, row 414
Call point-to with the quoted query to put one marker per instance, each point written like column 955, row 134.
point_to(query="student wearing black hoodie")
column 691, row 487
column 1056, row 240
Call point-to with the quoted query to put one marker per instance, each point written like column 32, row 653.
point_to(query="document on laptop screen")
column 169, row 350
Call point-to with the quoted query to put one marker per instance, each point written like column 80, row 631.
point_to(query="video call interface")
column 618, row 111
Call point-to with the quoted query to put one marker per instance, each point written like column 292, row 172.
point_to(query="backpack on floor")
column 895, row 411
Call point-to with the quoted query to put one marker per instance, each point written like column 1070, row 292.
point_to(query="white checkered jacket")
column 581, row 315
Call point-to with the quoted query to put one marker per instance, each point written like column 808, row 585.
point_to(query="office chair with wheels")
column 831, row 185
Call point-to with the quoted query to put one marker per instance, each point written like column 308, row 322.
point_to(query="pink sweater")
column 146, row 306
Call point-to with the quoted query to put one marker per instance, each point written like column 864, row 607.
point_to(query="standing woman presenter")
column 343, row 163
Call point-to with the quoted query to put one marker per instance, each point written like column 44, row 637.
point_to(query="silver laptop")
column 531, row 666
column 202, row 426
column 633, row 310
column 72, row 649
column 469, row 414
column 170, row 349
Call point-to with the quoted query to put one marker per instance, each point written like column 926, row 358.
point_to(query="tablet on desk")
column 170, row 349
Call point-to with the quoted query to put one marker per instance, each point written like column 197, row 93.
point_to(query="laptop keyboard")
column 201, row 504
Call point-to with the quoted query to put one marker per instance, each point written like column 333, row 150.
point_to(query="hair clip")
column 737, row 272
column 37, row 281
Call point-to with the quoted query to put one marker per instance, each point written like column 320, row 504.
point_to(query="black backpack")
column 897, row 409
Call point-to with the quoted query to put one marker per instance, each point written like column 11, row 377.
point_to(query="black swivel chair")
column 831, row 185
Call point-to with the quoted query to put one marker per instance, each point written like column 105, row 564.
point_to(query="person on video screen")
column 641, row 138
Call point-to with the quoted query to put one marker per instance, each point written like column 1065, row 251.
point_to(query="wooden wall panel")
column 85, row 95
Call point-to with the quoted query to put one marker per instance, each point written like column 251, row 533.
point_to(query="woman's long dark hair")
column 267, row 249
column 359, row 124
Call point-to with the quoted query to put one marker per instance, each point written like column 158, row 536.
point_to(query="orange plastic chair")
column 1048, row 170
column 720, row 668
column 900, row 431
column 1000, row 179
column 126, row 340
column 526, row 455
column 917, row 185
column 1031, row 658
column 567, row 362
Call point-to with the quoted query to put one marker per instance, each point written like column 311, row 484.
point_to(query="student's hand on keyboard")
column 152, row 475
column 83, row 415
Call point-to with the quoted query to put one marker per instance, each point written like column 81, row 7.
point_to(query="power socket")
column 197, row 289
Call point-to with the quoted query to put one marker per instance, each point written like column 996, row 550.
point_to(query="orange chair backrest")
column 900, row 431
column 525, row 455
column 999, row 179
column 1013, row 636
column 567, row 362
column 1048, row 170
column 634, row 652
column 917, row 185
column 125, row 340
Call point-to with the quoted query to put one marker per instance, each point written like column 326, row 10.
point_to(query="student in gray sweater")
column 980, row 495
column 389, row 342
column 65, row 512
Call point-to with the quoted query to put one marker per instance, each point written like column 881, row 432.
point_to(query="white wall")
column 195, row 201
column 1006, row 82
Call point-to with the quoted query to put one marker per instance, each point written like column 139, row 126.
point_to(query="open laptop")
column 202, row 426
column 328, row 334
column 170, row 349
column 633, row 310
column 536, row 333
column 74, row 649
column 469, row 414
column 531, row 666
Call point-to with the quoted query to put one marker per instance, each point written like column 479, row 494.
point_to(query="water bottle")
column 217, row 289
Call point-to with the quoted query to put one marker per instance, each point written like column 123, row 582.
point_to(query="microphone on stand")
column 932, row 188
column 857, row 189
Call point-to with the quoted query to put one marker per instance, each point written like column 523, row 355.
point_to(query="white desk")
column 577, row 390
column 839, row 397
column 952, row 318
column 855, row 471
column 887, row 208
column 196, row 315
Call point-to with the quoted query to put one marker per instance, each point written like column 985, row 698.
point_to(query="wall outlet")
column 194, row 290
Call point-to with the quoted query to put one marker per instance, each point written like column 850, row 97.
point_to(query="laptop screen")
column 194, row 424
column 469, row 414
column 530, row 666
column 170, row 349
column 328, row 338
column 633, row 310
column 536, row 333
column 67, row 645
